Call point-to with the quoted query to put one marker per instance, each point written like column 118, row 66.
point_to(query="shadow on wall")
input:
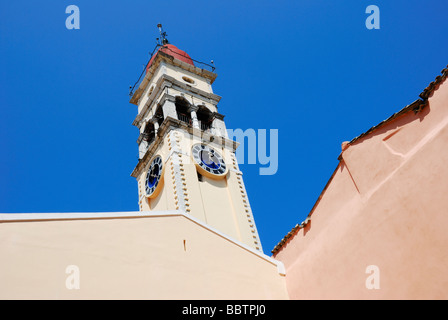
column 306, row 228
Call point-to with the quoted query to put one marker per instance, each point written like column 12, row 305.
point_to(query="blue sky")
column 310, row 69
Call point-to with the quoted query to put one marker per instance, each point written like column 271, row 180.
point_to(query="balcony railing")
column 184, row 118
column 146, row 136
column 204, row 126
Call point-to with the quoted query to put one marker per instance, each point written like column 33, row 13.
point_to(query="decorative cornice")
column 166, row 81
column 217, row 115
column 163, row 57
column 193, row 108
column 169, row 124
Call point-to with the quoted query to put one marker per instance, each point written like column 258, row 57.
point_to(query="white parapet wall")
column 129, row 255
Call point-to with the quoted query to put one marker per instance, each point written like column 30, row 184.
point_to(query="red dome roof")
column 173, row 51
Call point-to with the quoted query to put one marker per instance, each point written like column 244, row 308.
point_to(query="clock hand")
column 211, row 155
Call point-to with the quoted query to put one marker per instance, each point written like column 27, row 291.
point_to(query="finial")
column 163, row 35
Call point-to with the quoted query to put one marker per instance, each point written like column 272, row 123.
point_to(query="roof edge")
column 70, row 216
column 416, row 106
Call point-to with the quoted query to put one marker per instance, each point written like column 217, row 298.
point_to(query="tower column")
column 218, row 125
column 169, row 109
column 194, row 116
column 156, row 125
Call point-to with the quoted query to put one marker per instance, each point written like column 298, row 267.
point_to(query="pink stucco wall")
column 385, row 206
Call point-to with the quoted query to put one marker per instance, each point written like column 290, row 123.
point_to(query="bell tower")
column 186, row 161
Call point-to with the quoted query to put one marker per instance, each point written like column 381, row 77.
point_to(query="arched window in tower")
column 205, row 117
column 158, row 115
column 149, row 133
column 145, row 139
column 182, row 109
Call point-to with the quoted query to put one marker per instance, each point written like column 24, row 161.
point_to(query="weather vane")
column 163, row 35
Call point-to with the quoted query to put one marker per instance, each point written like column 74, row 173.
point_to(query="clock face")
column 153, row 176
column 209, row 161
